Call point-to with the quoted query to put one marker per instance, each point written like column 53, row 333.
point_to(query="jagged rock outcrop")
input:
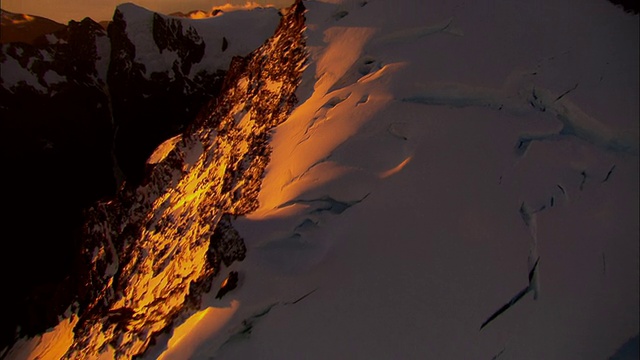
column 147, row 252
column 230, row 283
column 629, row 6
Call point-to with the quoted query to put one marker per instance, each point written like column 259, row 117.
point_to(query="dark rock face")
column 230, row 283
column 630, row 6
column 57, row 149
column 226, row 245
column 225, row 43
column 81, row 115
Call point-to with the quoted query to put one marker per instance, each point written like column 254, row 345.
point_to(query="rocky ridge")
column 85, row 107
column 152, row 251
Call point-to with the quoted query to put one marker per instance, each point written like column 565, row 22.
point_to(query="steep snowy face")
column 152, row 251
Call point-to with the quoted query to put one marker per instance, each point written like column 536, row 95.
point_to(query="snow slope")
column 438, row 150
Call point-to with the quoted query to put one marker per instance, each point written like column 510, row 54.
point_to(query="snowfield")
column 438, row 150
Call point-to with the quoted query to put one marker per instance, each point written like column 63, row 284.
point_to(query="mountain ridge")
column 94, row 114
column 25, row 28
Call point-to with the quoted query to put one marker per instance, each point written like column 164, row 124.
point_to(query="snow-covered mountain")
column 388, row 180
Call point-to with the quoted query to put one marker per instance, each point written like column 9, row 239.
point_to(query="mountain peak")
column 24, row 27
column 132, row 9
